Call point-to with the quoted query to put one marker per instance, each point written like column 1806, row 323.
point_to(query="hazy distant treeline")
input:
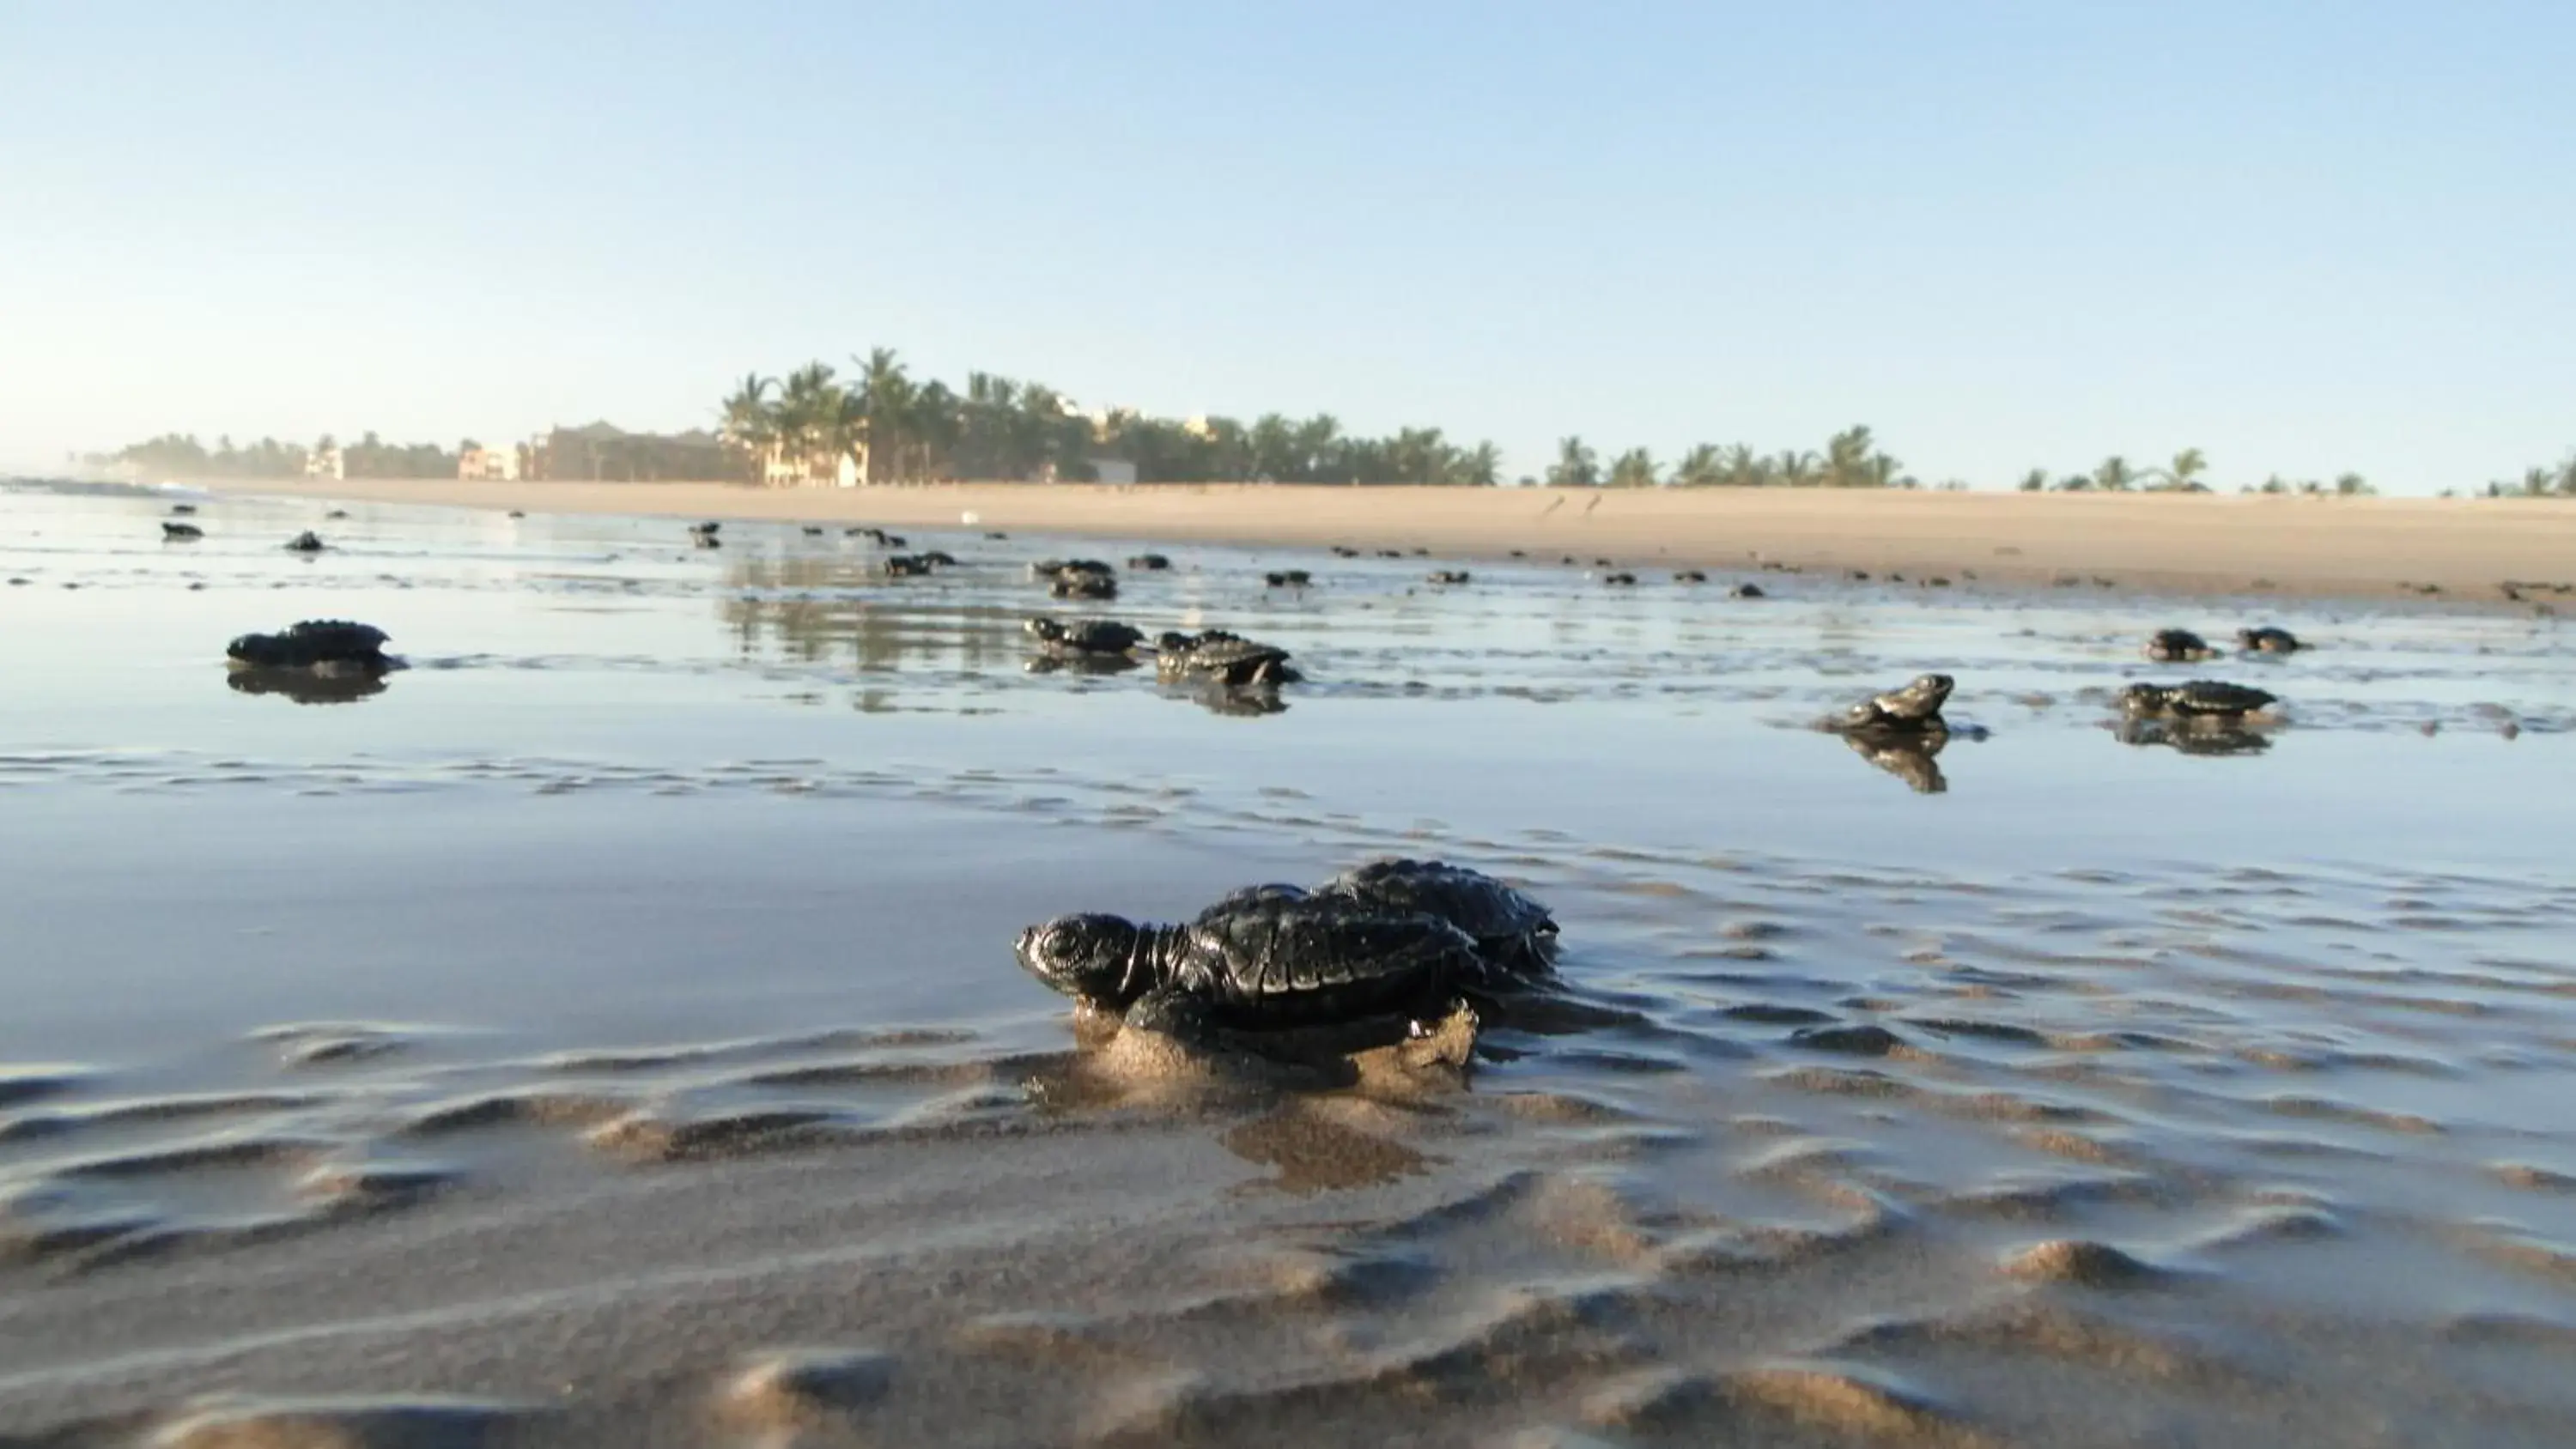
column 181, row 455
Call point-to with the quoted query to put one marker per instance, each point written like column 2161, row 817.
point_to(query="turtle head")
column 1042, row 627
column 1173, row 642
column 1093, row 957
column 2145, row 699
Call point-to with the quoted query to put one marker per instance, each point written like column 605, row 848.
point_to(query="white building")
column 324, row 463
column 488, row 465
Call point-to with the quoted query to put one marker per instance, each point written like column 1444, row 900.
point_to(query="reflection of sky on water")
column 1534, row 695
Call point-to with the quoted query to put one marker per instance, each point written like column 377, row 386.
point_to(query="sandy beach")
column 2179, row 544
column 605, row 1031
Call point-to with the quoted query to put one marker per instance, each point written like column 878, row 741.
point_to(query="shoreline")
column 2178, row 544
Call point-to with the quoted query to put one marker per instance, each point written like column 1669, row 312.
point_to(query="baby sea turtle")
column 1263, row 964
column 1912, row 709
column 1746, row 591
column 306, row 542
column 904, row 565
column 1288, row 579
column 1228, row 659
column 703, row 535
column 938, row 558
column 333, row 645
column 1048, row 568
column 335, row 515
column 2178, row 646
column 1064, row 637
column 1379, row 939
column 1689, row 576
column 813, row 530
column 2193, row 700
column 1448, row 576
column 1148, row 562
column 181, row 532
column 1077, row 584
column 1620, row 579
column 2265, row 639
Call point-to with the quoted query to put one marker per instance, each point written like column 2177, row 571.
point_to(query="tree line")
column 2116, row 474
column 896, row 428
column 181, row 455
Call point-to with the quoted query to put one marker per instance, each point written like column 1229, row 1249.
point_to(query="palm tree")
column 885, row 394
column 1745, row 468
column 1576, row 466
column 1320, row 454
column 750, row 424
column 1699, row 468
column 2187, row 465
column 2034, row 481
column 1634, row 468
column 808, row 414
column 1847, row 458
column 2114, row 475
column 1482, row 466
column 1796, row 469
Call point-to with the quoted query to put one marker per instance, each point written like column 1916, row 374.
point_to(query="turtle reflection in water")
column 1239, row 701
column 307, row 686
column 1911, row 759
column 2204, row 736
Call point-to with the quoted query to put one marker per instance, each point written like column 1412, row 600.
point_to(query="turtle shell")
column 1223, row 656
column 1287, row 961
column 2176, row 646
column 2204, row 697
column 1086, row 636
column 312, row 642
column 1076, row 584
column 1510, row 929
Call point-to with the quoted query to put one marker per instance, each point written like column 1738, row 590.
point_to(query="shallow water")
column 2205, row 1088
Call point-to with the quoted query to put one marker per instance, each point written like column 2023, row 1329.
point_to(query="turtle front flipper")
column 1181, row 1015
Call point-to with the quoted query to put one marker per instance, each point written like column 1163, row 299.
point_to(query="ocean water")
column 2256, row 1058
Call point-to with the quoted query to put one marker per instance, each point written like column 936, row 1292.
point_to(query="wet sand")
column 606, row 1033
column 2167, row 543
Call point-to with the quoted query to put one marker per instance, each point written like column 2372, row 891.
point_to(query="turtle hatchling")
column 1272, row 956
column 1225, row 658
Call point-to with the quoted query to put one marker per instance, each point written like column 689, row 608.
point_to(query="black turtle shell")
column 1510, row 929
column 1220, row 655
column 1289, row 961
column 1086, row 636
column 314, row 641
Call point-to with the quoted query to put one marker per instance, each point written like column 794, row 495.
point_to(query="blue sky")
column 2305, row 238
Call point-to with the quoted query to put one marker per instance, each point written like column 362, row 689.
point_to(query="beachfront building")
column 821, row 469
column 488, row 465
column 325, row 462
column 605, row 453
